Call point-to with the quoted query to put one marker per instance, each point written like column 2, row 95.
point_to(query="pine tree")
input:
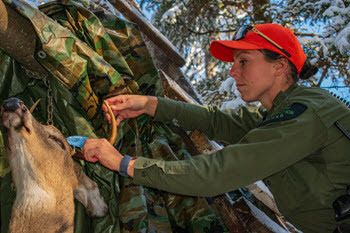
column 322, row 27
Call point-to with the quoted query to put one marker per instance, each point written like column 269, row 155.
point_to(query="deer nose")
column 12, row 104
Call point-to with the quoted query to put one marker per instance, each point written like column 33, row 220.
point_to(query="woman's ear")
column 280, row 66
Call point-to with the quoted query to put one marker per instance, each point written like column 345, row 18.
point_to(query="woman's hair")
column 307, row 70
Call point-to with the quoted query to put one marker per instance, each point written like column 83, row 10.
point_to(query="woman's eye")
column 243, row 62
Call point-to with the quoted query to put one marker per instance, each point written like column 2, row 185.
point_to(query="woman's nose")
column 234, row 71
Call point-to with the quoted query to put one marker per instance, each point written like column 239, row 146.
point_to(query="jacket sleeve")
column 228, row 125
column 264, row 151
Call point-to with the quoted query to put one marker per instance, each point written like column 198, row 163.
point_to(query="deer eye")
column 58, row 142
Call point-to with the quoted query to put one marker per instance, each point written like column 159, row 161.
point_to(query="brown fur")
column 45, row 177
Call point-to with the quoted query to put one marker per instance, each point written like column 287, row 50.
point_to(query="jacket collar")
column 281, row 99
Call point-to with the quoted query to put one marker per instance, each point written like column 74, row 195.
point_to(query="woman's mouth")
column 239, row 85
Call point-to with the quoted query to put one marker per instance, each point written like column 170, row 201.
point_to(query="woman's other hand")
column 101, row 150
column 130, row 106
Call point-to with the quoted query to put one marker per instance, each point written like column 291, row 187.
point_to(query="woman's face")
column 254, row 76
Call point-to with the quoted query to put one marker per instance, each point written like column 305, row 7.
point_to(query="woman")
column 293, row 144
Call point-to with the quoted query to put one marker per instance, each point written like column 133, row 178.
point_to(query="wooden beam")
column 174, row 91
column 263, row 196
column 18, row 38
column 247, row 215
column 164, row 63
column 230, row 215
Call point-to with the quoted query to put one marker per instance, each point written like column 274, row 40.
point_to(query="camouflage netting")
column 90, row 55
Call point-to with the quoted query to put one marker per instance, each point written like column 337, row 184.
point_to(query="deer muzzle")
column 14, row 114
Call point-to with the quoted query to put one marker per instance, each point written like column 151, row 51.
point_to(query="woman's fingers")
column 92, row 149
column 108, row 117
column 91, row 155
column 104, row 108
column 101, row 150
column 125, row 106
column 119, row 119
column 121, row 106
column 116, row 100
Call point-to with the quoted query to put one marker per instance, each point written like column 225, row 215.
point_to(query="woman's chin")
column 247, row 99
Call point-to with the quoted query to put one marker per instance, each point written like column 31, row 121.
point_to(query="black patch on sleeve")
column 291, row 112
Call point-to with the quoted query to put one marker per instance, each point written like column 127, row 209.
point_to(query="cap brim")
column 223, row 49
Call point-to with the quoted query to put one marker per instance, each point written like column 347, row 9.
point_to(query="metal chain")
column 50, row 101
column 44, row 78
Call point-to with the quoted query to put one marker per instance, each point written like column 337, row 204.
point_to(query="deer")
column 45, row 176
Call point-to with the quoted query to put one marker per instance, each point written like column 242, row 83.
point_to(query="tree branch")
column 305, row 34
column 323, row 75
column 211, row 31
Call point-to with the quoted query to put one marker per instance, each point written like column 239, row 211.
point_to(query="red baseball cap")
column 284, row 37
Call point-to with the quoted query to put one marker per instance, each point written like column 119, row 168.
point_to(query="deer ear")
column 88, row 194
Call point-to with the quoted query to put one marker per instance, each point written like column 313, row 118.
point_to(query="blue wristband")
column 124, row 164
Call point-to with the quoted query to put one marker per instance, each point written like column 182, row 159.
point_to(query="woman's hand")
column 103, row 151
column 130, row 106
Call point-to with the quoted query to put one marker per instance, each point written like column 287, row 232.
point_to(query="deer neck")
column 38, row 210
column 37, row 204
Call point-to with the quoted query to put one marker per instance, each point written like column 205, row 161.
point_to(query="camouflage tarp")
column 90, row 55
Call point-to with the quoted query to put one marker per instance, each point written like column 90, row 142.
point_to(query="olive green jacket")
column 296, row 149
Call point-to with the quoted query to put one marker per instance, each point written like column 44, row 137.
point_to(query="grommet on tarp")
column 41, row 54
